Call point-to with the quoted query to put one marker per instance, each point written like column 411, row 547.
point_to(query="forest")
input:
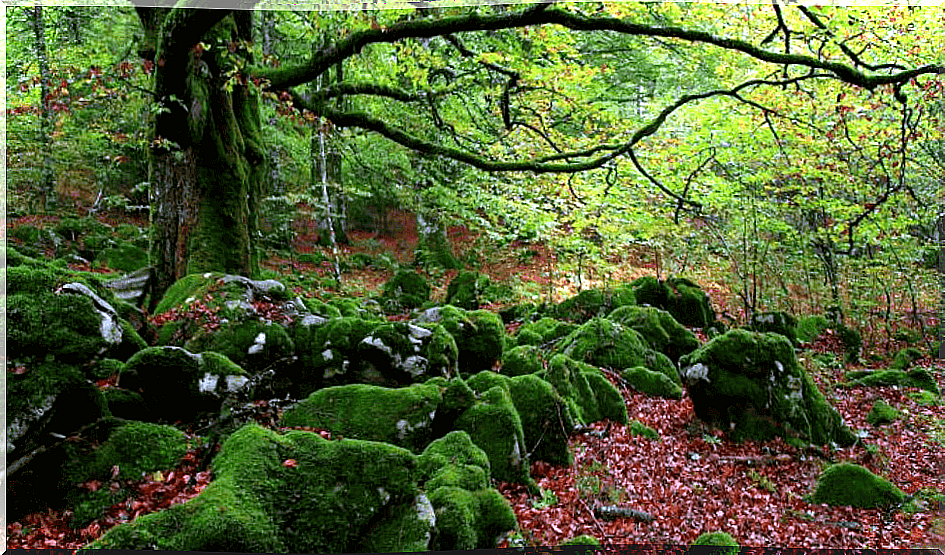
column 433, row 275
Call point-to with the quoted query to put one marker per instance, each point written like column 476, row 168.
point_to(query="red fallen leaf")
column 289, row 463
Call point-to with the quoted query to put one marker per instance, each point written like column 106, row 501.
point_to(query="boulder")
column 402, row 417
column 586, row 391
column 919, row 377
column 658, row 328
column 466, row 290
column 478, row 334
column 775, row 322
column 522, row 360
column 750, row 384
column 882, row 413
column 407, row 289
column 852, row 485
column 604, row 343
column 652, row 383
column 593, row 303
column 682, row 298
column 402, row 353
column 293, row 493
column 543, row 331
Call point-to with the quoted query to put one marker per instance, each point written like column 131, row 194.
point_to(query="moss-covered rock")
column 123, row 257
column 593, row 303
column 905, row 358
column 494, row 425
column 252, row 344
column 407, row 289
column 522, row 360
column 652, row 383
column 328, row 352
column 469, row 519
column 719, row 543
column 138, row 448
column 920, row 377
column 478, row 334
column 607, row 344
column 543, row 331
column 682, row 298
column 402, row 417
column 402, row 353
column 584, row 539
column 658, row 328
column 775, row 322
column 452, row 460
column 294, row 493
column 586, row 391
column 882, row 413
column 750, row 384
column 466, row 290
column 810, row 327
column 852, row 485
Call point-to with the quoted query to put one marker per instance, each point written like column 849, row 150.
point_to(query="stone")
column 593, row 303
column 852, row 485
column 466, row 290
column 588, row 394
column 652, row 383
column 478, row 334
column 658, row 328
column 775, row 322
column 407, row 289
column 607, row 344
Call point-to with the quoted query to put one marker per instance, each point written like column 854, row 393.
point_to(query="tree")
column 47, row 189
column 460, row 97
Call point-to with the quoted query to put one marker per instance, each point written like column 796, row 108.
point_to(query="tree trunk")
column 207, row 156
column 47, row 189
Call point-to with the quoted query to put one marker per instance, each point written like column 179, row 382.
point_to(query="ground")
column 691, row 479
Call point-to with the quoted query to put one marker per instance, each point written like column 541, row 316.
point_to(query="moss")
column 123, row 257
column 810, row 327
column 522, row 360
column 65, row 328
column 721, row 543
column 650, row 291
column 658, row 328
column 408, row 289
column 321, row 308
column 882, row 413
column 455, row 448
column 919, row 377
column 400, row 353
column 139, row 447
column 192, row 285
column 327, row 353
column 32, row 280
column 584, row 539
column 402, row 417
column 126, row 404
column 467, row 476
column 466, row 289
column 495, row 426
column 604, row 343
column 652, row 383
column 775, row 322
column 639, row 429
column 546, row 419
column 470, row 520
column 586, row 391
column 689, row 304
column 750, row 384
column 478, row 334
column 105, row 368
column 905, row 358
column 593, row 303
column 528, row 337
column 546, row 329
column 852, row 485
column 329, row 500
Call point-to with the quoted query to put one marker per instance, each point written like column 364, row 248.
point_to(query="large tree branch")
column 427, row 27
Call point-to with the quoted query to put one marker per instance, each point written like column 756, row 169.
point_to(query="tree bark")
column 47, row 189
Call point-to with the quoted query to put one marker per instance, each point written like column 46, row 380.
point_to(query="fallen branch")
column 613, row 512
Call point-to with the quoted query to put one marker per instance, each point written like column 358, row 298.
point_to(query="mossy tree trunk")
column 207, row 159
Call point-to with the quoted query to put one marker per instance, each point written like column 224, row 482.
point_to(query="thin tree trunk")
column 47, row 189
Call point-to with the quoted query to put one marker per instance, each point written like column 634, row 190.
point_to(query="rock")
column 466, row 289
column 407, row 289
column 682, row 298
column 852, row 485
column 402, row 353
column 522, row 360
column 543, row 331
column 586, row 391
column 658, row 328
column 123, row 257
column 478, row 334
column 494, row 425
column 775, row 322
column 718, row 543
column 905, row 358
column 593, row 303
column 470, row 519
column 251, row 344
column 882, row 413
column 605, row 343
column 582, row 540
column 328, row 352
column 809, row 328
column 652, row 383
column 750, row 384
column 402, row 417
column 920, row 377
column 293, row 493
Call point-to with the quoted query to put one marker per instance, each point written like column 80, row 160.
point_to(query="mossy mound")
column 328, row 352
column 682, row 298
column 64, row 328
column 810, row 327
column 402, row 353
column 920, row 377
column 905, row 358
column 407, row 289
column 495, row 426
column 467, row 289
column 588, row 394
column 652, row 383
column 607, row 344
column 852, row 485
column 295, row 493
column 479, row 335
column 750, row 384
column 718, row 543
column 546, row 419
column 882, row 413
column 658, row 328
column 582, row 540
column 469, row 515
column 402, row 417
column 593, row 303
column 522, row 360
column 123, row 257
column 251, row 344
column 543, row 331
column 775, row 322
column 137, row 448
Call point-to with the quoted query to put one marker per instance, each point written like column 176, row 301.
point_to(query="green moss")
column 402, row 417
column 408, row 289
column 650, row 291
column 810, row 327
column 479, row 336
column 470, row 520
column 750, row 384
column 62, row 327
column 920, row 377
column 126, row 404
column 522, row 360
column 905, row 358
column 658, row 328
column 466, row 289
column 604, row 343
column 189, row 286
column 139, row 447
column 852, row 485
column 775, row 322
column 586, row 391
column 582, row 540
column 527, row 337
column 323, row 309
column 689, row 304
column 467, row 476
column 32, row 280
column 495, row 426
column 639, row 429
column 325, row 352
column 546, row 419
column 105, row 368
column 545, row 329
column 652, row 383
column 721, row 542
column 455, row 448
column 882, row 413
column 123, row 257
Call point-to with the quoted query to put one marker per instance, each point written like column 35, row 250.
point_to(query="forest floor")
column 692, row 480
